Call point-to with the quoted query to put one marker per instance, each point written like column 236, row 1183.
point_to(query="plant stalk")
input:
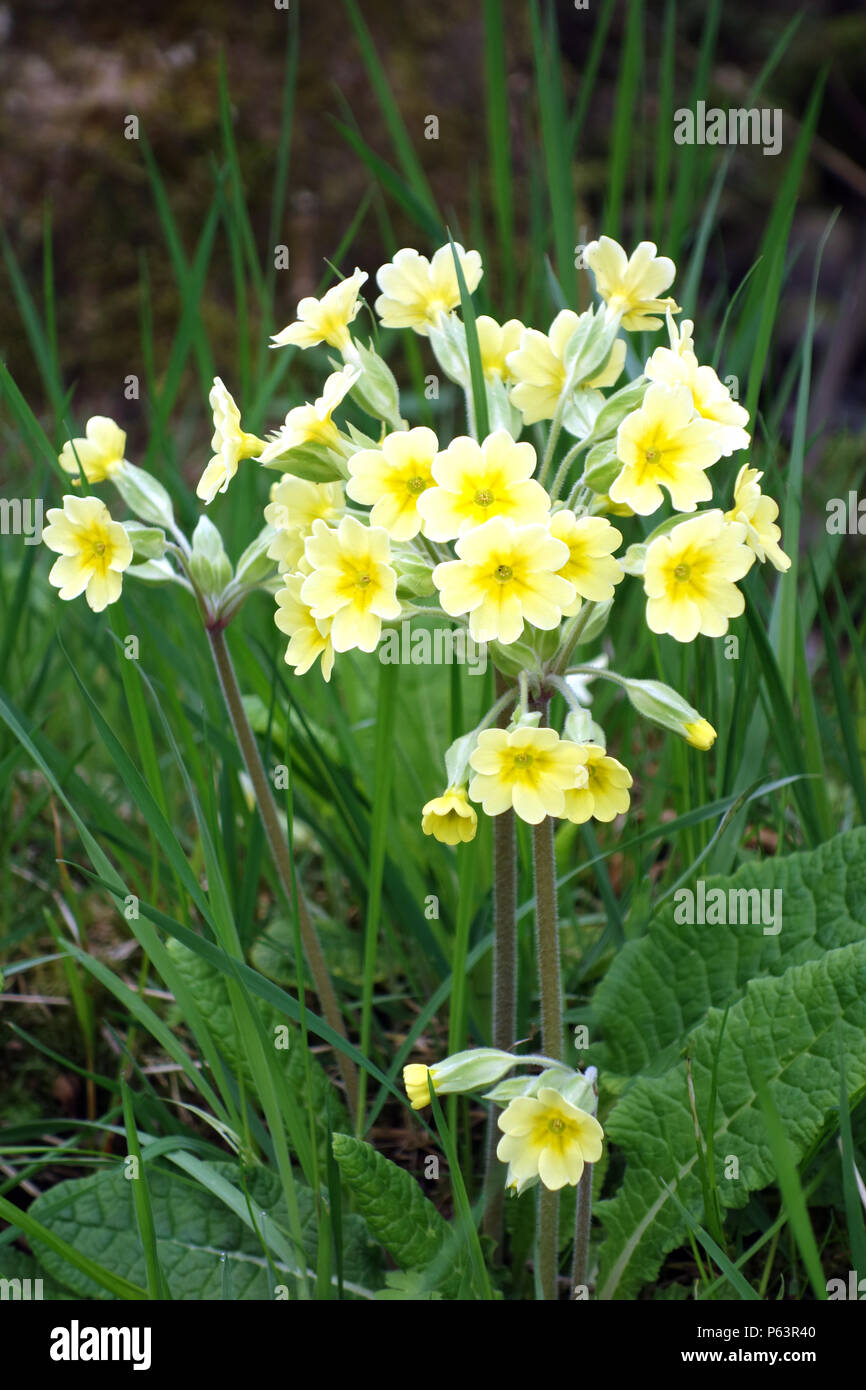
column 550, row 985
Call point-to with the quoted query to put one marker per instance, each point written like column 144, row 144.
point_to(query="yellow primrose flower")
column 700, row 735
column 547, row 1137
column 590, row 566
column 230, row 444
column 94, row 551
column 604, row 790
column 629, row 285
column 295, row 504
column 312, row 424
column 415, row 1079
column 758, row 514
column 528, row 769
column 663, row 444
column 392, row 478
column 677, row 365
column 690, row 577
column 538, row 368
column 495, row 342
column 309, row 638
column 506, row 575
column 325, row 320
column 100, row 453
column 475, row 482
column 450, row 818
column 415, row 291
column 351, row 582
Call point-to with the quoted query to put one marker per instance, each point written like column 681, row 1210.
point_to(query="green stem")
column 280, row 851
column 583, row 1218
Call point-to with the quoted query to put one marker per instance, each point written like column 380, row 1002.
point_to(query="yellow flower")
column 100, row 454
column 629, row 285
column 230, row 444
column 415, row 1077
column 325, row 320
column 758, row 514
column 94, row 551
column 546, row 1137
column 478, row 481
column 690, row 577
column 415, row 291
column 450, row 818
column 528, row 769
column 590, row 567
column 391, row 480
column 495, row 342
column 312, row 424
column 539, row 370
column 295, row 504
column 506, row 575
column 604, row 793
column 700, row 735
column 309, row 639
column 678, row 366
column 663, row 444
column 351, row 582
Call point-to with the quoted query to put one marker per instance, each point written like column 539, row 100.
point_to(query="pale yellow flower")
column 100, row 453
column 677, row 365
column 352, row 582
column 415, row 1079
column 700, row 735
column 547, row 1137
column 325, row 320
column 495, row 342
column 230, row 444
column 505, row 575
column 312, row 424
column 392, row 478
column 416, row 292
column 690, row 577
column 663, row 444
column 538, row 368
column 295, row 504
column 758, row 514
column 475, row 482
column 528, row 769
column 94, row 551
column 309, row 638
column 604, row 790
column 590, row 567
column 449, row 818
column 630, row 285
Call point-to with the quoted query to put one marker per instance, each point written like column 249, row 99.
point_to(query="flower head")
column 325, row 320
column 312, row 424
column 528, row 769
column 604, row 790
column 630, row 285
column 392, row 478
column 462, row 1071
column 309, row 638
column 295, row 504
column 677, row 365
column 230, row 444
column 416, row 1080
column 538, row 367
column 590, row 566
column 415, row 291
column 690, row 577
column 100, row 453
column 663, row 444
column 506, row 575
column 475, row 482
column 351, row 582
column 495, row 342
column 450, row 818
column 546, row 1137
column 758, row 514
column 94, row 551
column 700, row 735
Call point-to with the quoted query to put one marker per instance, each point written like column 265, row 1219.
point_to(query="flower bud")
column 664, row 706
column 463, row 1071
column 209, row 565
column 376, row 389
column 143, row 495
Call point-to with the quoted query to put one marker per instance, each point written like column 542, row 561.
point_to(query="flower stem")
column 280, row 850
column 583, row 1216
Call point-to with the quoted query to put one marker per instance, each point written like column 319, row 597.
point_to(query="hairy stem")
column 280, row 850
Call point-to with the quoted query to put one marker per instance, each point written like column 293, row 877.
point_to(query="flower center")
column 99, row 547
column 682, row 571
column 363, row 580
column 504, row 573
column 652, row 455
column 557, row 1126
column 416, row 484
column 523, row 759
column 484, row 497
